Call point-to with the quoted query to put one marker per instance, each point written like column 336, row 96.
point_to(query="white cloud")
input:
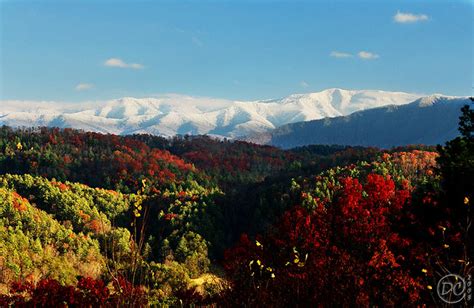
column 367, row 55
column 84, row 86
column 116, row 62
column 304, row 84
column 404, row 18
column 338, row 54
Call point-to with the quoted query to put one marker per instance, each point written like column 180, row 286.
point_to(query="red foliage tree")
column 88, row 292
column 347, row 252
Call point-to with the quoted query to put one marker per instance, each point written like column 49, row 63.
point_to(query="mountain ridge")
column 428, row 120
column 179, row 114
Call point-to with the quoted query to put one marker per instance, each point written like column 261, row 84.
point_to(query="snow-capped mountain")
column 429, row 120
column 178, row 114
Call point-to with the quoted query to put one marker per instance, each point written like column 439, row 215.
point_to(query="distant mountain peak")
column 428, row 120
column 434, row 98
column 172, row 114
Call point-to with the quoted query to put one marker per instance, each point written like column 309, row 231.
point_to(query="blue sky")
column 95, row 50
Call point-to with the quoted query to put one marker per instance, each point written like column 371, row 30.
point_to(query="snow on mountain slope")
column 428, row 120
column 178, row 114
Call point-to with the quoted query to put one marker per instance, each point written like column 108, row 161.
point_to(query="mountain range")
column 429, row 120
column 332, row 116
column 178, row 114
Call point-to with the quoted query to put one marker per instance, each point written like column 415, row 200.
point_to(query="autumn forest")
column 89, row 219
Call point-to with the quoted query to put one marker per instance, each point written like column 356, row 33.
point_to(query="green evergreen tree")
column 456, row 167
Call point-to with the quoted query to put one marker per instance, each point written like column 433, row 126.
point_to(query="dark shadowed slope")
column 429, row 120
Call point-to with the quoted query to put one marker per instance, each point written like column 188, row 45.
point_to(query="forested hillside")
column 89, row 219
